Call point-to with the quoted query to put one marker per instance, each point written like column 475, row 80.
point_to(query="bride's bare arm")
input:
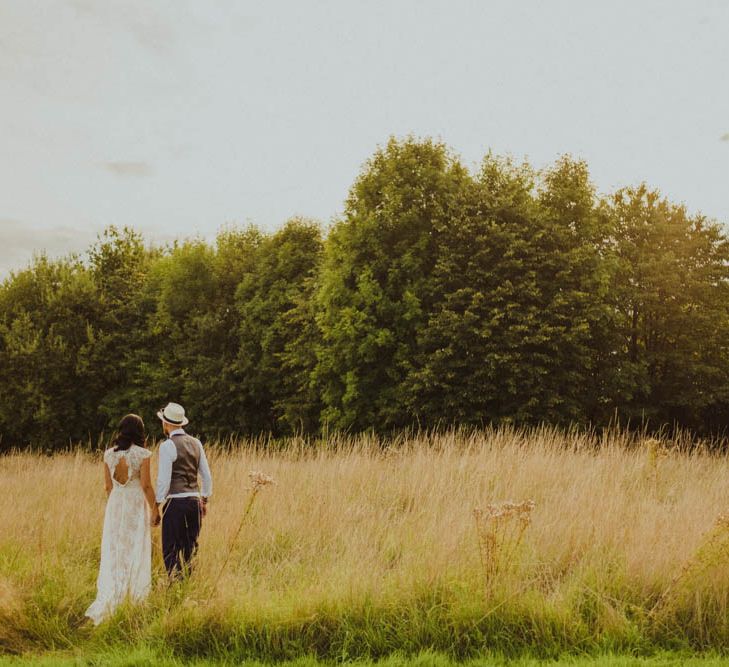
column 146, row 481
column 108, row 485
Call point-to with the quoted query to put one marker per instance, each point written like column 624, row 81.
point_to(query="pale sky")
column 180, row 117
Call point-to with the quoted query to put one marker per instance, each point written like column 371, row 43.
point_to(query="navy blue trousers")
column 181, row 519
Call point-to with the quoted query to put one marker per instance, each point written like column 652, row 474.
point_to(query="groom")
column 181, row 459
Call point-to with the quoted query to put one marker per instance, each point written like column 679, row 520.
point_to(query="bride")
column 126, row 545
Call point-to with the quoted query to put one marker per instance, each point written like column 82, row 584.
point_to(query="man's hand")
column 203, row 506
column 156, row 518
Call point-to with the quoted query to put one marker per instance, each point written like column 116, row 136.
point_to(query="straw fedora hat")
column 173, row 413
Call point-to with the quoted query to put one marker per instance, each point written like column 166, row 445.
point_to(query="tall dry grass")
column 364, row 547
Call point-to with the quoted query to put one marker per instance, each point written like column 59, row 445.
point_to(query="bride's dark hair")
column 130, row 432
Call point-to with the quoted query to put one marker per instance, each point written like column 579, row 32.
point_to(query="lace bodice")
column 133, row 456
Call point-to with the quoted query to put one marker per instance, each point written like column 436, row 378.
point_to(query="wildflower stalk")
column 500, row 529
column 258, row 480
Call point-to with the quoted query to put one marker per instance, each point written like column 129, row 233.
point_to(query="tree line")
column 441, row 296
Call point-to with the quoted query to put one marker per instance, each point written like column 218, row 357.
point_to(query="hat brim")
column 185, row 421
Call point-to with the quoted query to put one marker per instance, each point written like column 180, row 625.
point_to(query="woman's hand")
column 156, row 519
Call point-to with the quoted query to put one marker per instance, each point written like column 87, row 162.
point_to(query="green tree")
column 376, row 287
column 575, row 269
column 463, row 350
column 119, row 265
column 277, row 332
column 520, row 284
column 194, row 329
column 671, row 296
column 46, row 315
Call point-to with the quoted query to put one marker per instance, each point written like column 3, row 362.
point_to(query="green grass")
column 437, row 628
column 141, row 657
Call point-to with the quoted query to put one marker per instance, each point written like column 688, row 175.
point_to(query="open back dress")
column 125, row 570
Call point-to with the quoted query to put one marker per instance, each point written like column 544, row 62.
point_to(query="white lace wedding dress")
column 126, row 545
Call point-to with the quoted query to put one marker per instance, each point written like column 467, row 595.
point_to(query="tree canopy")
column 440, row 296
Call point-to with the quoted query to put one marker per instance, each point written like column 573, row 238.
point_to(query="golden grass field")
column 363, row 548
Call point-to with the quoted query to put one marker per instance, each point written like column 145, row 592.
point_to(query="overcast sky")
column 179, row 117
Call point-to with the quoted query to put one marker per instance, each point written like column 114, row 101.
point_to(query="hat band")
column 171, row 421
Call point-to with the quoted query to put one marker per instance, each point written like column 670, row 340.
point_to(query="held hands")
column 155, row 519
column 203, row 506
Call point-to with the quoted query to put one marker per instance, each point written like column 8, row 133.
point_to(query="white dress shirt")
column 167, row 456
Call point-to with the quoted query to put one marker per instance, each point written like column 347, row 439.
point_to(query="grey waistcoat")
column 184, row 468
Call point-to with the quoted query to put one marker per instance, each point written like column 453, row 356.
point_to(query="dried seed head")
column 259, row 479
column 508, row 509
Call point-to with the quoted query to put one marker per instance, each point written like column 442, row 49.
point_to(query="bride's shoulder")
column 109, row 454
column 141, row 452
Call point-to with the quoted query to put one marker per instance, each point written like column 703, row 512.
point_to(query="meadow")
column 367, row 549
